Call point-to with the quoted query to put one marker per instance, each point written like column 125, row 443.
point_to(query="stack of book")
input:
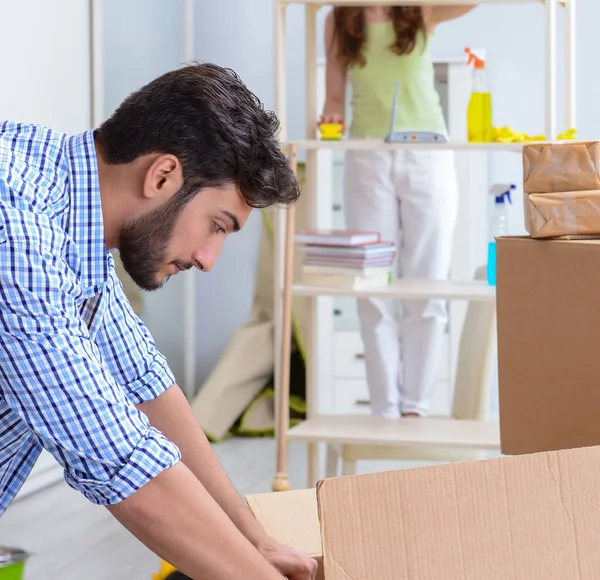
column 354, row 260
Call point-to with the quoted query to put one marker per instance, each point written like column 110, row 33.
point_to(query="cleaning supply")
column 508, row 135
column 479, row 111
column 499, row 225
column 12, row 563
column 331, row 131
column 166, row 570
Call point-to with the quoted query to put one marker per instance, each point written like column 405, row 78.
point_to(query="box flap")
column 290, row 517
column 528, row 517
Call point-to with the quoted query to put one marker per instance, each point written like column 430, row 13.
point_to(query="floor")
column 72, row 539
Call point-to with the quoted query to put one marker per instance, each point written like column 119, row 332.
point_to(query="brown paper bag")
column 563, row 166
column 563, row 214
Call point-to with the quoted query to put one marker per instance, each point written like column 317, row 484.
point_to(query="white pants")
column 409, row 197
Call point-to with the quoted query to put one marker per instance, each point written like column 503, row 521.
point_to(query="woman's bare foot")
column 408, row 415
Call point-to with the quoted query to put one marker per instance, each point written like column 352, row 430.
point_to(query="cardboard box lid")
column 528, row 517
column 291, row 518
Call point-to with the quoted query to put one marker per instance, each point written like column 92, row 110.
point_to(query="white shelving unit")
column 356, row 429
column 368, row 144
column 408, row 290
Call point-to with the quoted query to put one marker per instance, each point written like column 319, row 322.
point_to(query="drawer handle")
column 359, row 355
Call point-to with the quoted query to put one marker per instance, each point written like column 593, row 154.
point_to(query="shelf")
column 424, row 432
column 371, row 144
column 411, row 2
column 410, row 290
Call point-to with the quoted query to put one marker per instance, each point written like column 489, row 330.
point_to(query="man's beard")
column 143, row 244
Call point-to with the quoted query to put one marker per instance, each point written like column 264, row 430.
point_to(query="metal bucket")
column 12, row 563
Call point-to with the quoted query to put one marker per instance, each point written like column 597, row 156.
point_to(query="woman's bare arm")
column 335, row 77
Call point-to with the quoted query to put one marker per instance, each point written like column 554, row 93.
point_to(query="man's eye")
column 218, row 228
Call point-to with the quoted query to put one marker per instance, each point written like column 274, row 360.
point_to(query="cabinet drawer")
column 348, row 355
column 345, row 318
column 349, row 393
column 352, row 396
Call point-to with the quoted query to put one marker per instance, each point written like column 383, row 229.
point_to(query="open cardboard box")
column 527, row 517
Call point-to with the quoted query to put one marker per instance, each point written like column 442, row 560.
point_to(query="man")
column 176, row 169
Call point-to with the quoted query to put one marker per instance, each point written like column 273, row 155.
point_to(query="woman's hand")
column 334, row 118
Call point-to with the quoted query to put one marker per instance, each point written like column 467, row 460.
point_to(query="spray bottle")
column 479, row 112
column 499, row 225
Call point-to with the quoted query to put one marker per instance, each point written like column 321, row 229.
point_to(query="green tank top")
column 373, row 86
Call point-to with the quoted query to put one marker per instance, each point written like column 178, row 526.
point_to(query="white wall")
column 45, row 63
column 236, row 34
column 45, row 81
column 239, row 34
column 141, row 40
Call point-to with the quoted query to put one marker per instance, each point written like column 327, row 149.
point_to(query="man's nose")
column 205, row 257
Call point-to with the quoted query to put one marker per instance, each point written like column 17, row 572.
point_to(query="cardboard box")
column 561, row 166
column 562, row 214
column 291, row 517
column 529, row 517
column 548, row 321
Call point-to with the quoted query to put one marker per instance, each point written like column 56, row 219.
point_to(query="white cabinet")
column 350, row 392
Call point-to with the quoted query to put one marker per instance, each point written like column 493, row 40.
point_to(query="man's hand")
column 171, row 414
column 288, row 562
column 176, row 517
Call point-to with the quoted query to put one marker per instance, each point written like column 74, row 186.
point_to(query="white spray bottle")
column 499, row 224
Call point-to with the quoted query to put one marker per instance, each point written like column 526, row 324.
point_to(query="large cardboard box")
column 528, row 517
column 548, row 307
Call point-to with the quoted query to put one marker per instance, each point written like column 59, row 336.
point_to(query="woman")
column 409, row 196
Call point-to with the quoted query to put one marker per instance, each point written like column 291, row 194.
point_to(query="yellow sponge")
column 331, row 131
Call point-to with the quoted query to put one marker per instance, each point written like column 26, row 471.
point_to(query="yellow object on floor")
column 165, row 570
column 507, row 135
column 331, row 131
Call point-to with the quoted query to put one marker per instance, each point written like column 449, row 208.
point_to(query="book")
column 361, row 251
column 336, row 237
column 346, row 282
column 349, row 270
column 349, row 262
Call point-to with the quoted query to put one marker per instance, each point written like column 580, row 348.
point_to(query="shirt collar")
column 86, row 225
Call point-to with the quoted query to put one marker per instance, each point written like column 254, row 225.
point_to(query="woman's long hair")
column 350, row 31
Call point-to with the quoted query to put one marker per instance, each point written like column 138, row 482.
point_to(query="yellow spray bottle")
column 479, row 112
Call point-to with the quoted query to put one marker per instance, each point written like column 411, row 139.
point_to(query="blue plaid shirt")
column 74, row 358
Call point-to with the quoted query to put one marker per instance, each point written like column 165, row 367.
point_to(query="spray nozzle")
column 476, row 58
column 501, row 191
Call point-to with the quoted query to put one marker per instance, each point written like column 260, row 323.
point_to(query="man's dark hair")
column 217, row 128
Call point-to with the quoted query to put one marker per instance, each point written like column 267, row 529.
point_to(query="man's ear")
column 163, row 179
